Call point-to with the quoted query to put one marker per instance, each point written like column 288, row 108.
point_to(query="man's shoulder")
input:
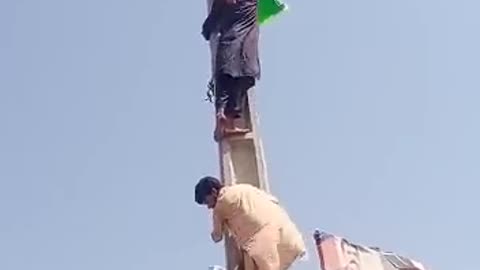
column 231, row 194
column 240, row 188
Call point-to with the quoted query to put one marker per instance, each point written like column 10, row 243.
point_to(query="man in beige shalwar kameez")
column 261, row 227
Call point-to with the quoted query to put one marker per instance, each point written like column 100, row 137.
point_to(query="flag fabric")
column 268, row 9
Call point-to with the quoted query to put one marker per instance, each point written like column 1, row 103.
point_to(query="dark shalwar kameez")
column 237, row 64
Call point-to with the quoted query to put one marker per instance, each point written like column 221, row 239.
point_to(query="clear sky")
column 369, row 109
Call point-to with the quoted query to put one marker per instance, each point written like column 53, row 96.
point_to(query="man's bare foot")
column 232, row 129
column 235, row 131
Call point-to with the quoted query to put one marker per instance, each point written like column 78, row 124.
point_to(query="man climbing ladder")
column 237, row 65
column 260, row 226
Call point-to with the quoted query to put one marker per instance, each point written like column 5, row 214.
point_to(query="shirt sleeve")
column 218, row 225
column 214, row 15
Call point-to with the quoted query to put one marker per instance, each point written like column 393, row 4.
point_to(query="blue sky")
column 369, row 113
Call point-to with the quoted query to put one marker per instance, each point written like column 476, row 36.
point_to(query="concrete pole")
column 242, row 160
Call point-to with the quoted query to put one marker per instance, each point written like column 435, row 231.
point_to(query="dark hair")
column 205, row 186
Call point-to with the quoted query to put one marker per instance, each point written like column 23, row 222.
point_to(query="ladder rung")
column 246, row 136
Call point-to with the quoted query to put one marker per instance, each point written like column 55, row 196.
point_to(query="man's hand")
column 216, row 237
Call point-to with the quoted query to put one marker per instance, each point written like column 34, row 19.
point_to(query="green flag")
column 268, row 9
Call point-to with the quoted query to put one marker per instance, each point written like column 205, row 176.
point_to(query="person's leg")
column 236, row 104
column 262, row 249
column 222, row 84
column 291, row 246
column 239, row 96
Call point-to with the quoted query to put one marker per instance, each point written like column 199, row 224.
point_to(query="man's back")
column 260, row 225
column 239, row 14
column 247, row 209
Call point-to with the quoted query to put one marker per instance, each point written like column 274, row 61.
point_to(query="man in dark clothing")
column 237, row 66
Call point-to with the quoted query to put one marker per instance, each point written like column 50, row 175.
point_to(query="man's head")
column 206, row 191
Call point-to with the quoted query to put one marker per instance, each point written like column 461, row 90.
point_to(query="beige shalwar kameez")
column 261, row 227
